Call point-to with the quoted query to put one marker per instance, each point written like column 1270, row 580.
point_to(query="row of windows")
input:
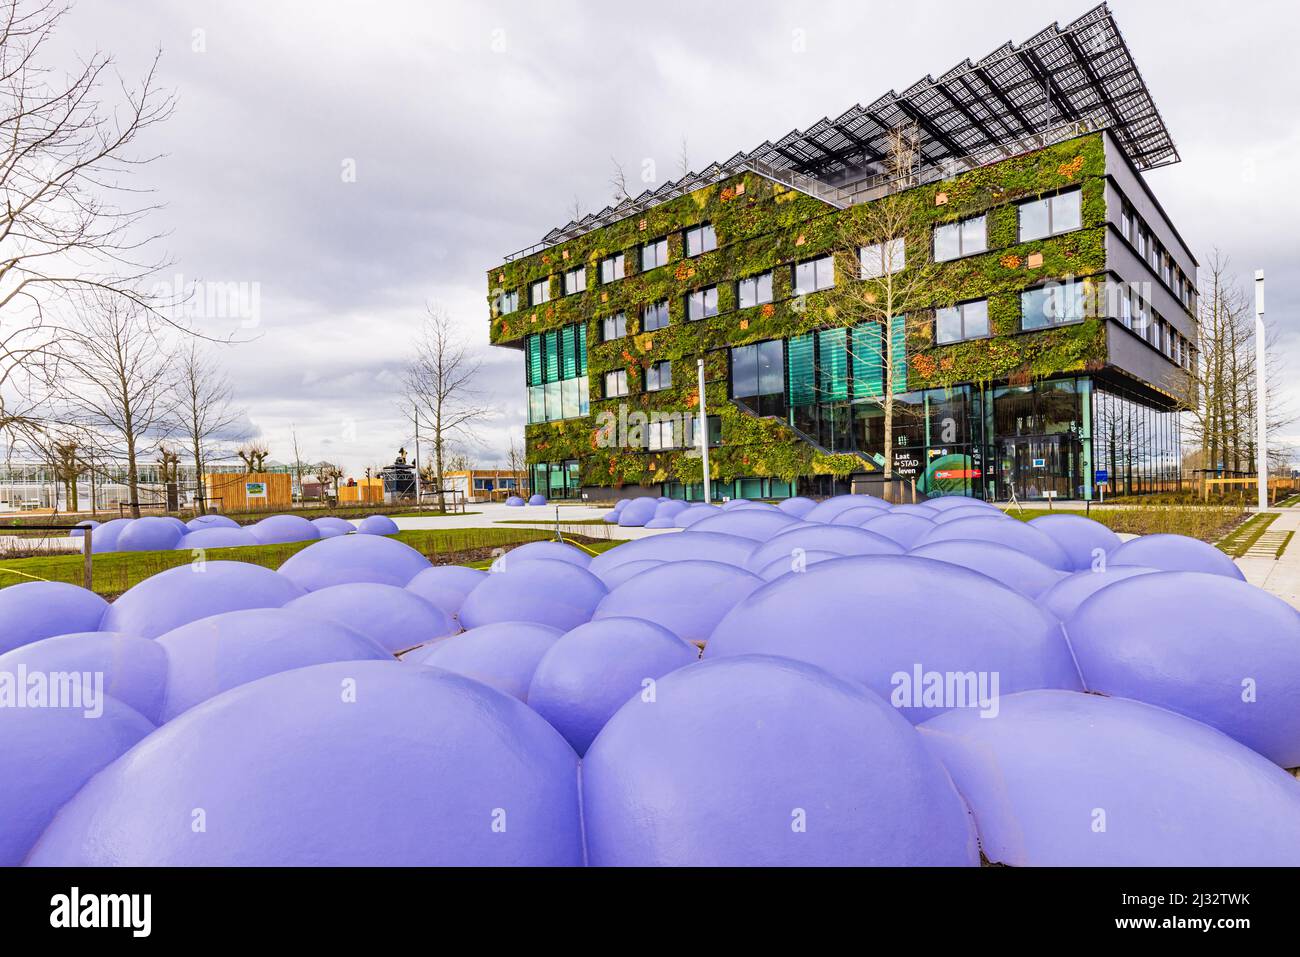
column 1149, row 249
column 1038, row 219
column 556, row 354
column 566, row 399
column 658, row 376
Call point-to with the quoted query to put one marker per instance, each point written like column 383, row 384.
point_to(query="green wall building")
column 1050, row 308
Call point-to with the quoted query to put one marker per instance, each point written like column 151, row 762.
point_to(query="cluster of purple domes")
column 843, row 682
column 154, row 533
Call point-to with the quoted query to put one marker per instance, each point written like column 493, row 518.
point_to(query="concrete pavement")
column 1279, row 576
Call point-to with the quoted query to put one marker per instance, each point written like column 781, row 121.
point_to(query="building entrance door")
column 1040, row 467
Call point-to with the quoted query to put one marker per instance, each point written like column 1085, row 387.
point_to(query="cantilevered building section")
column 1049, row 349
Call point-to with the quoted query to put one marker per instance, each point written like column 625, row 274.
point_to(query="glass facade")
column 1139, row 447
column 555, row 479
column 555, row 368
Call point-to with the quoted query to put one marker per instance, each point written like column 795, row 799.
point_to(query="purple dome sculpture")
column 637, row 512
column 904, row 529
column 445, row 586
column 610, row 517
column 843, row 539
column 794, row 563
column 881, row 619
column 279, row 529
column 591, row 671
column 216, row 536
column 613, row 577
column 499, row 781
column 916, row 508
column 688, row 598
column 212, row 655
column 1217, row 650
column 1175, row 553
column 46, row 755
column 544, row 591
column 354, row 558
column 187, row 593
column 78, row 530
column 1083, row 540
column 828, row 509
column 695, row 513
column 858, row 516
column 1003, row 531
column 970, row 510
column 766, row 761
column 704, row 546
column 555, row 551
column 669, row 508
column 151, row 534
column 104, row 538
column 1014, row 569
column 537, row 499
column 377, row 525
column 134, row 669
column 747, row 523
column 514, row 501
column 392, row 618
column 210, row 521
column 1068, row 779
column 330, row 526
column 503, row 656
column 1063, row 598
column 735, row 503
column 798, row 506
column 30, row 611
column 662, row 521
column 944, row 503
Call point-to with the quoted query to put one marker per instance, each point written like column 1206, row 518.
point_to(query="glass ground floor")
column 1068, row 438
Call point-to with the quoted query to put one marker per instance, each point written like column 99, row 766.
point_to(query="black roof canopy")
column 1060, row 82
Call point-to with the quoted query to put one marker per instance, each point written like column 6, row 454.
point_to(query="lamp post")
column 704, row 433
column 1261, row 406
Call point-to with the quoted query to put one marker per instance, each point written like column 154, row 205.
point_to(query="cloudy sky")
column 472, row 127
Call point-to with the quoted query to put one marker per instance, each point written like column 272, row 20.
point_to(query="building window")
column 611, row 268
column 1050, row 216
column 575, row 280
column 814, row 274
column 1126, row 222
column 702, row 303
column 969, row 320
column 754, row 290
column 714, row 431
column 758, row 376
column 701, row 239
column 661, row 434
column 616, row 384
column 539, row 292
column 659, row 376
column 1052, row 305
column 507, row 302
column 613, row 327
column 654, row 254
column 962, row 238
column 881, row 259
column 654, row 316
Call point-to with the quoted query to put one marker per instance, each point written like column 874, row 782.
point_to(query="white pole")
column 417, row 460
column 704, row 434
column 1261, row 405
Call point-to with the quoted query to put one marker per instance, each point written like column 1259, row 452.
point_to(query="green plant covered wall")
column 761, row 226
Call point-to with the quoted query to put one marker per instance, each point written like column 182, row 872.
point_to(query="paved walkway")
column 1280, row 576
column 497, row 515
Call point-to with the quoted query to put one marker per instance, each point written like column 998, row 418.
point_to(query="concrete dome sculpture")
column 78, row 530
column 1064, row 598
column 1175, row 553
column 500, row 783
column 30, row 611
column 1087, row 543
column 795, row 563
column 46, row 756
column 592, row 670
column 695, row 513
column 1012, row 568
column 134, row 669
column 532, row 551
column 831, row 507
column 503, row 656
column 703, row 546
column 688, row 597
column 210, row 521
column 391, row 618
column 1068, row 779
column 893, row 622
column 756, row 524
column 104, row 538
column 1003, row 531
column 904, row 529
column 377, row 525
column 329, row 526
column 613, row 577
column 215, row 536
column 834, row 776
column 842, row 539
column 151, row 534
column 215, row 654
column 514, row 501
column 446, row 586
column 537, row 499
column 279, row 529
column 354, row 558
column 798, row 506
column 637, row 512
column 189, row 592
column 544, row 591
column 1215, row 649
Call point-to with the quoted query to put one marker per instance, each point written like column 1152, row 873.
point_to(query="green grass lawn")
column 1246, row 534
column 115, row 572
column 1208, row 523
column 551, row 521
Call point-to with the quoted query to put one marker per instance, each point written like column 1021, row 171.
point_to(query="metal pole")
column 88, row 561
column 704, row 434
column 1261, row 405
column 417, row 460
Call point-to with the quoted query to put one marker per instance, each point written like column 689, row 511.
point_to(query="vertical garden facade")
column 1047, row 350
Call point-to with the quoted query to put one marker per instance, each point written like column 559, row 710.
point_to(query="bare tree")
column 683, row 158
column 328, row 474
column 253, row 454
column 203, row 409
column 886, row 290
column 618, row 181
column 297, row 459
column 116, row 380
column 439, row 385
column 71, row 216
